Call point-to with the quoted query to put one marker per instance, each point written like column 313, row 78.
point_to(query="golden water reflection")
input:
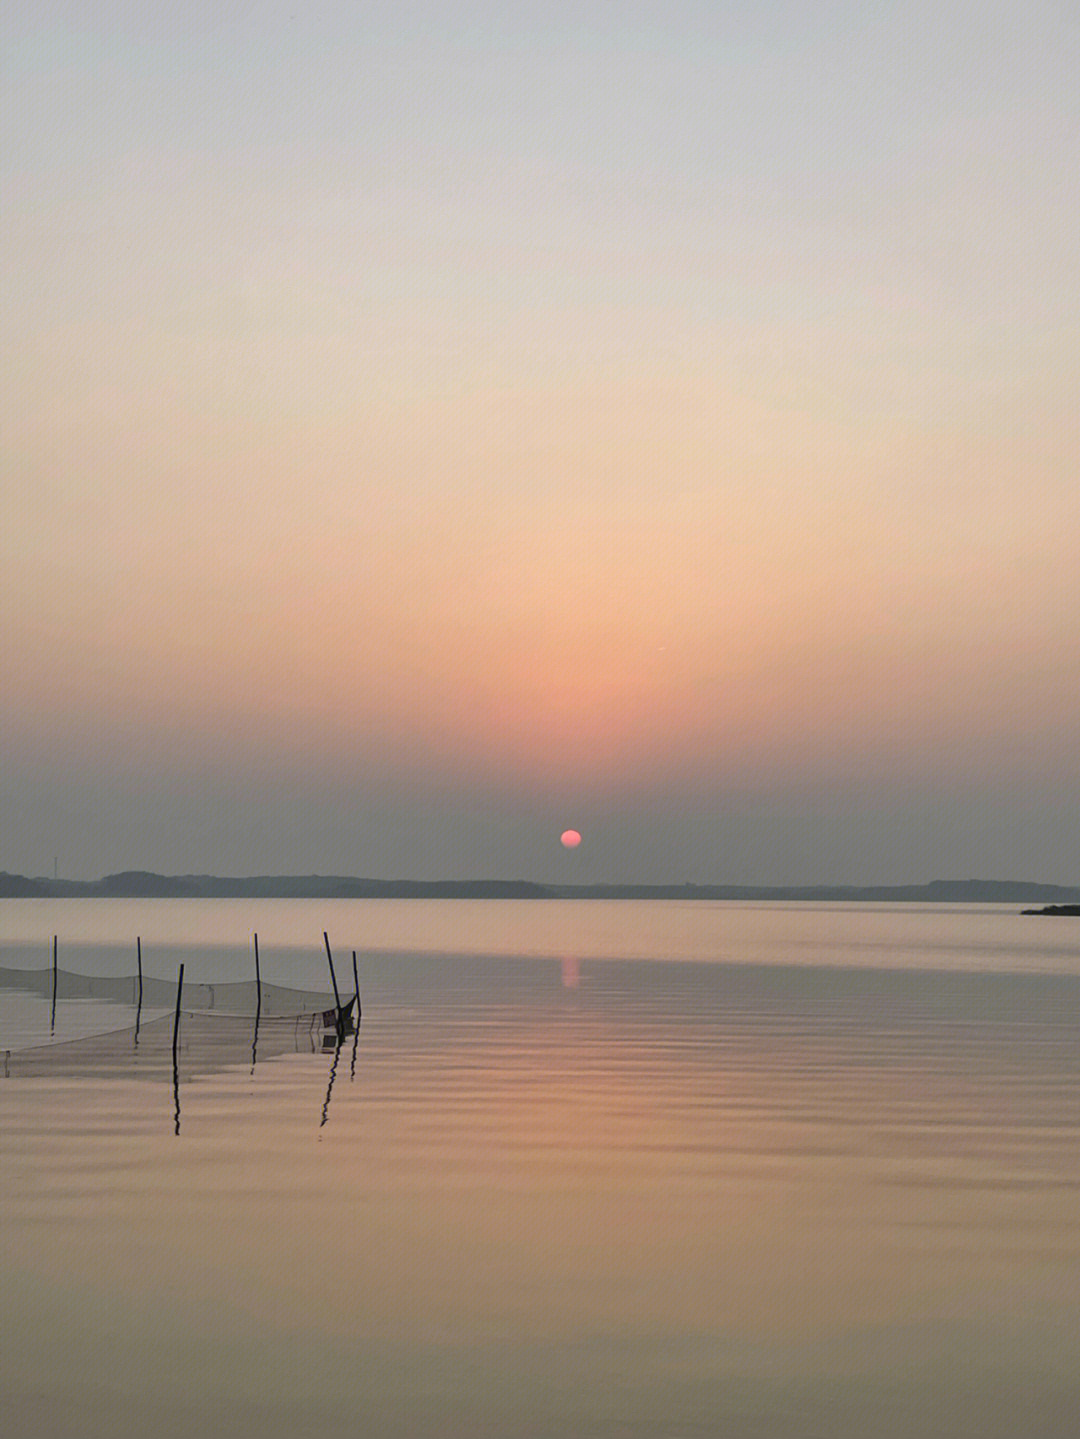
column 683, row 1203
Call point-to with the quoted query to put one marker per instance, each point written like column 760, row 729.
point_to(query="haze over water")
column 817, row 1189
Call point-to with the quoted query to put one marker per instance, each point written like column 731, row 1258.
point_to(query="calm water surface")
column 596, row 1170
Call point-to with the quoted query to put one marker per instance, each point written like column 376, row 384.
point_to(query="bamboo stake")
column 258, row 1005
column 333, row 981
column 176, row 1048
column 138, row 1009
column 356, row 1031
column 258, row 984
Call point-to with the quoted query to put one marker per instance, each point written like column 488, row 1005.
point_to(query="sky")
column 428, row 427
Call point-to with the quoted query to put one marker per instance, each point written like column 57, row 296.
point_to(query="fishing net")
column 239, row 998
column 219, row 1025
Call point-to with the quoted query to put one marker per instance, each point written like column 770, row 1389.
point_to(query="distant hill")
column 143, row 884
column 937, row 891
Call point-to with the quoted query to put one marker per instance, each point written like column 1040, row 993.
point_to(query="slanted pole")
column 52, row 1015
column 333, row 980
column 176, row 1017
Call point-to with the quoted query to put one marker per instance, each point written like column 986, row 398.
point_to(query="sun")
column 570, row 839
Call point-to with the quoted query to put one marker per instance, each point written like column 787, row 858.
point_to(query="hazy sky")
column 426, row 427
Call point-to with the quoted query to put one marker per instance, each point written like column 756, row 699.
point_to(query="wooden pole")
column 333, row 979
column 258, row 984
column 52, row 1016
column 176, row 1048
column 138, row 1009
column 356, row 1031
column 176, row 1017
column 258, row 1004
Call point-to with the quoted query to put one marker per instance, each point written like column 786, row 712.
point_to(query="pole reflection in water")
column 692, row 1199
column 330, row 1083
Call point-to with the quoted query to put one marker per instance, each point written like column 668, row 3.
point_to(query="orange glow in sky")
column 676, row 422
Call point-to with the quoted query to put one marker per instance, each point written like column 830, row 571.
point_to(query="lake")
column 587, row 1170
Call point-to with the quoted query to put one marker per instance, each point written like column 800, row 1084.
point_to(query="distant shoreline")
column 144, row 884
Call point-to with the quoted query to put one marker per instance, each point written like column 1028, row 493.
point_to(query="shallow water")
column 819, row 1191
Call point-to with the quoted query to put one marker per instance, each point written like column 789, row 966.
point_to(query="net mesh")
column 238, row 998
column 220, row 1025
column 206, row 1045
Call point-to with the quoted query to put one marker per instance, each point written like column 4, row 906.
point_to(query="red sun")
column 570, row 839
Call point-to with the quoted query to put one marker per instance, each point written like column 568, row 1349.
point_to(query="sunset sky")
column 427, row 428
